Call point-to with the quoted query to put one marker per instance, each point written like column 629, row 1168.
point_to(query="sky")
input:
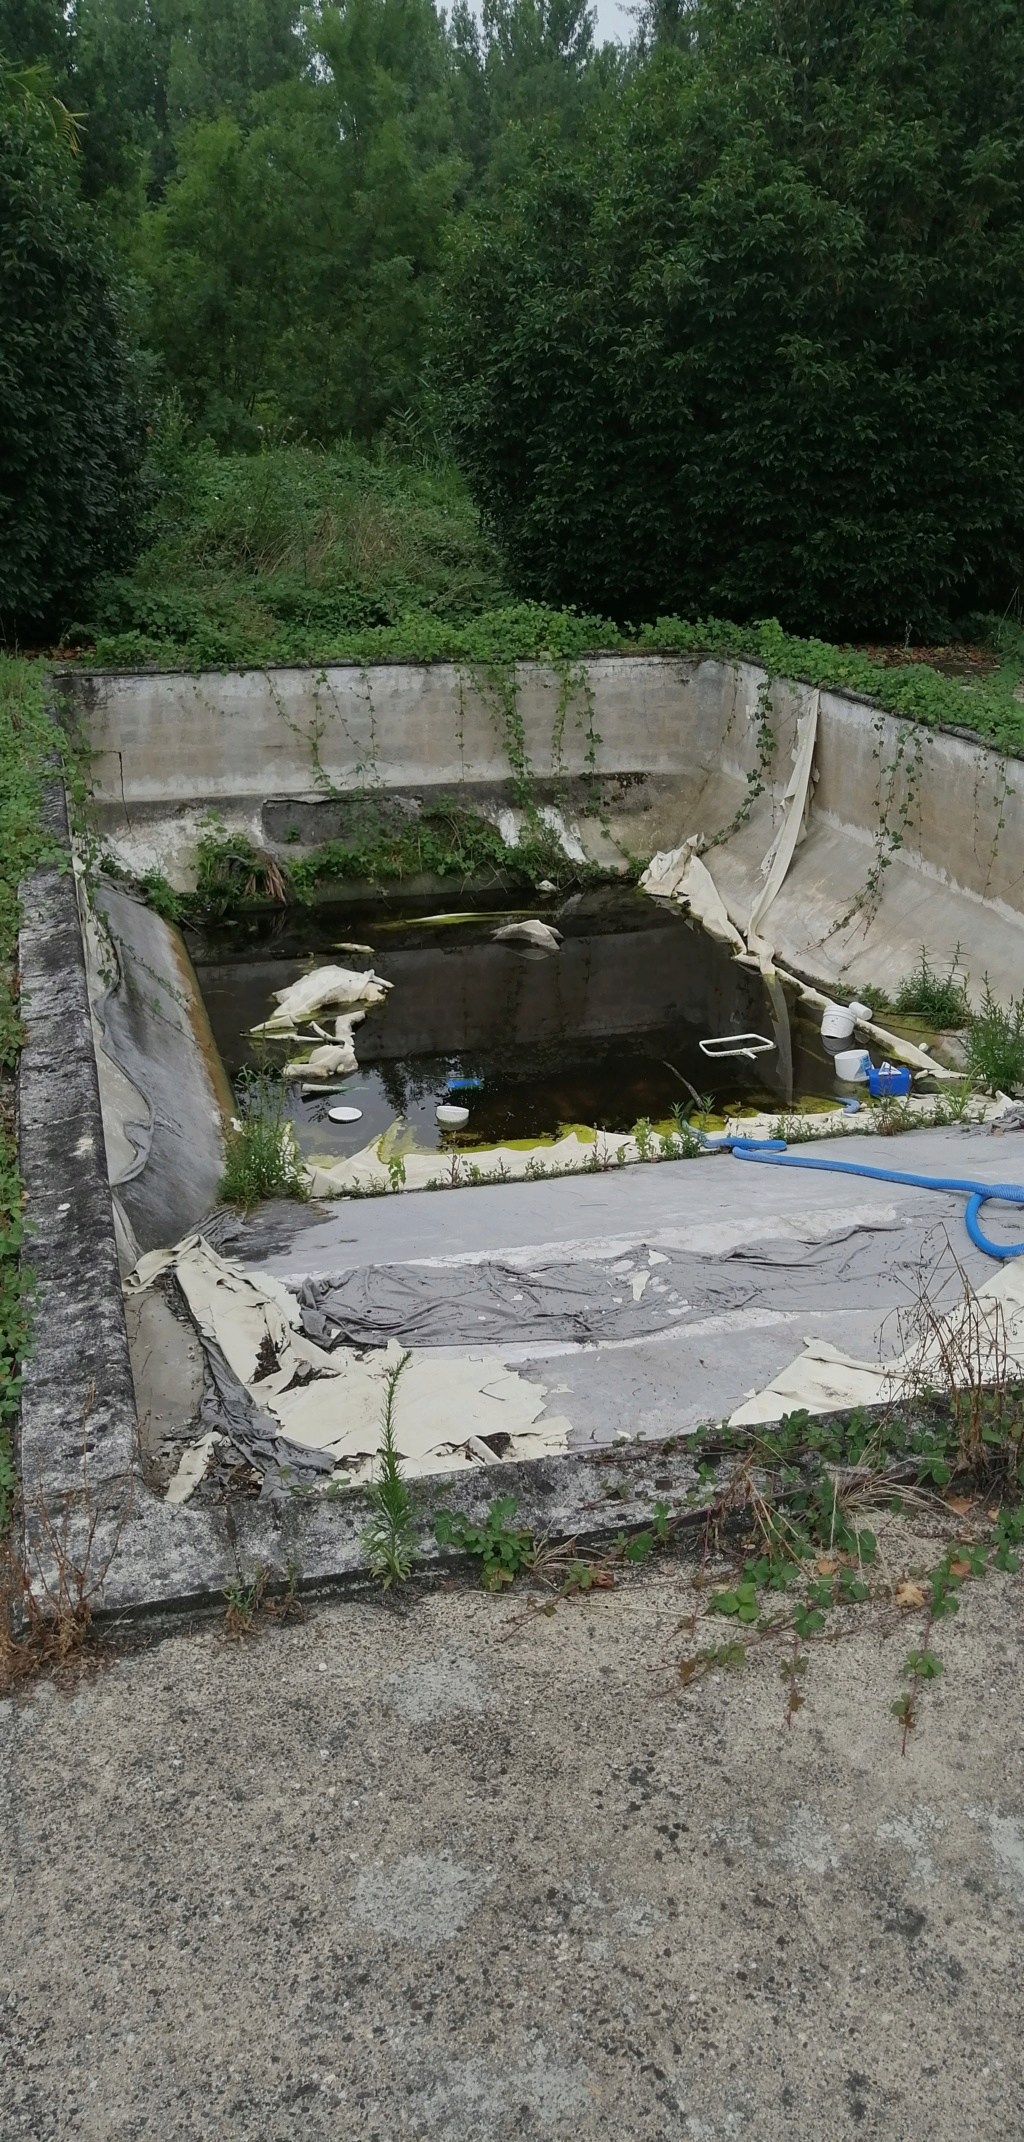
column 612, row 21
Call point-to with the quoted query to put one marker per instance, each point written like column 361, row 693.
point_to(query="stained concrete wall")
column 915, row 836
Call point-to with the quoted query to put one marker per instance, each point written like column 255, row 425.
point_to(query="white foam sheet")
column 447, row 1405
column 982, row 1330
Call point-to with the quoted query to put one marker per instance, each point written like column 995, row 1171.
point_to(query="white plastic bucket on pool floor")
column 837, row 1023
column 852, row 1065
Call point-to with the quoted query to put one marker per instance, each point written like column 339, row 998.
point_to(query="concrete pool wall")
column 913, row 836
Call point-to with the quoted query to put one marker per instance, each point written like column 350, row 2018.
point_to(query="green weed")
column 247, row 619
column 504, row 1550
column 249, row 1600
column 940, row 999
column 8, row 1481
column 447, row 841
column 995, row 1042
column 261, row 1158
column 29, row 751
column 643, row 1137
column 389, row 1540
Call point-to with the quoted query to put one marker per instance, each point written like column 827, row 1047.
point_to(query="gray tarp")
column 590, row 1302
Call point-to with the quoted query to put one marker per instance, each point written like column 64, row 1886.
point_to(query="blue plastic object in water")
column 892, row 1079
column 772, row 1151
column 464, row 1085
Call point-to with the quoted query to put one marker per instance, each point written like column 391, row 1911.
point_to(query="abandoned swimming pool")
column 603, row 1033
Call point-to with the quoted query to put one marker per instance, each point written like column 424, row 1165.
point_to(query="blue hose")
column 773, row 1152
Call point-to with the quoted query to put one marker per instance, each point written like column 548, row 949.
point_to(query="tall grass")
column 995, row 1042
column 261, row 1158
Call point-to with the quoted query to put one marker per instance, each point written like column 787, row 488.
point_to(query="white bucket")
column 852, row 1065
column 837, row 1023
column 450, row 1117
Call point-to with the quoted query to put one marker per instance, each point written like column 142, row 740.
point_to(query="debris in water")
column 735, row 1045
column 541, row 935
column 326, row 988
column 331, row 1059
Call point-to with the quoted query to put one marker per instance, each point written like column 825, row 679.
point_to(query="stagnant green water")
column 603, row 1032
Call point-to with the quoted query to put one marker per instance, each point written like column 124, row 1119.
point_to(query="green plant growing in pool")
column 261, row 1158
column 447, row 841
column 940, row 999
column 995, row 1042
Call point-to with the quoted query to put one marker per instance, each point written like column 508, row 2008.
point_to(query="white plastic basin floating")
column 450, row 1117
column 344, row 1115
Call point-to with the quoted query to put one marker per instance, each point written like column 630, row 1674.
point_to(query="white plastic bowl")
column 450, row 1117
column 344, row 1115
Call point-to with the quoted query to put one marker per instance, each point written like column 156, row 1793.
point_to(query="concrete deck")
column 470, row 1873
column 747, row 1261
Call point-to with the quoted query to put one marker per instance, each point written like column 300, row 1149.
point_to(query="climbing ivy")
column 531, row 631
column 757, row 777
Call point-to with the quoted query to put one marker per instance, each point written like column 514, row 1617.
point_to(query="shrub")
column 941, row 999
column 753, row 346
column 995, row 1042
column 70, row 437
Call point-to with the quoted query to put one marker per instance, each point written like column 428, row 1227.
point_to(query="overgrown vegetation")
column 287, row 555
column 26, row 746
column 272, row 187
column 995, row 1042
column 71, row 435
column 628, row 283
column 940, row 999
column 239, row 633
column 446, row 841
column 261, row 1157
column 664, row 389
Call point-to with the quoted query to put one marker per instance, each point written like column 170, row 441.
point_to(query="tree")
column 291, row 262
column 145, row 72
column 34, row 33
column 754, row 345
column 69, row 439
column 519, row 64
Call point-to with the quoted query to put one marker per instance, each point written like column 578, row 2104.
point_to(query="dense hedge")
column 69, row 435
column 756, row 347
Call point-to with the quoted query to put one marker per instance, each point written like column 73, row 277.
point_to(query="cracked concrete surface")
column 469, row 1871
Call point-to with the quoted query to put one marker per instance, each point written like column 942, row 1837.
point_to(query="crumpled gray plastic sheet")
column 228, row 1409
column 589, row 1302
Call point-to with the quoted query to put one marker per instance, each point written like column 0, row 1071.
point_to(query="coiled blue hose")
column 773, row 1152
